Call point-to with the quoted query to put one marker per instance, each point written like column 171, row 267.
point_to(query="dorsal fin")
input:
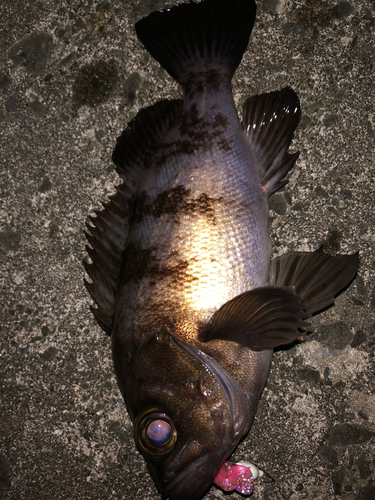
column 269, row 121
column 109, row 230
column 141, row 138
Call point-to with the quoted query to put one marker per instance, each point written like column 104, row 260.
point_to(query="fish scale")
column 181, row 272
column 240, row 214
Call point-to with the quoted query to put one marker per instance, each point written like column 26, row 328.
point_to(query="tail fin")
column 193, row 32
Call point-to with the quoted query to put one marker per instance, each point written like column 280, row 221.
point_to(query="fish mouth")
column 179, row 488
column 190, row 473
column 184, row 482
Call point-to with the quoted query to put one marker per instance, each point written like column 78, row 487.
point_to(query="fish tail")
column 185, row 38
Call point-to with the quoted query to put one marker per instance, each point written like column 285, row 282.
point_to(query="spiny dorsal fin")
column 107, row 237
column 108, row 231
column 269, row 121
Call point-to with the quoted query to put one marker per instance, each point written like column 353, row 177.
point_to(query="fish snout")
column 188, row 475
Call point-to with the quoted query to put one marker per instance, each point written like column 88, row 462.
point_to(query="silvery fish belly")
column 181, row 272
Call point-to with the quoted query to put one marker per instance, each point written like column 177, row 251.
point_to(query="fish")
column 180, row 256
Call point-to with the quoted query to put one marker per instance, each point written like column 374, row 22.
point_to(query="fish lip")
column 176, row 481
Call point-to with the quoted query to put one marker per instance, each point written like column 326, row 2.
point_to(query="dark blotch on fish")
column 202, row 134
column 175, row 202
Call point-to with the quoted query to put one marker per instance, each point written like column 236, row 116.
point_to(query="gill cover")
column 233, row 393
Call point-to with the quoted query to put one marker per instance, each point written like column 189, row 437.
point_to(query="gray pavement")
column 72, row 74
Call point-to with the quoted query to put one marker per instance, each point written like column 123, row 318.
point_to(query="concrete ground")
column 72, row 74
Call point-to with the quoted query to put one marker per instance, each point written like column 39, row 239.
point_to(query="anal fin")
column 269, row 121
column 108, row 232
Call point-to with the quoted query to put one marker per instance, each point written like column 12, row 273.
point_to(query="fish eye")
column 154, row 432
column 158, row 432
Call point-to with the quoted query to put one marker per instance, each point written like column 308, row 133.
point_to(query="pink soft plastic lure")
column 235, row 477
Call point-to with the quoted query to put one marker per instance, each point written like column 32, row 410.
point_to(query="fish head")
column 188, row 412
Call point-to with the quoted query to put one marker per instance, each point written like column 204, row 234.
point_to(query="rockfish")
column 181, row 271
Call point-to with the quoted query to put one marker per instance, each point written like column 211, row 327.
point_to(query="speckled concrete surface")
column 72, row 74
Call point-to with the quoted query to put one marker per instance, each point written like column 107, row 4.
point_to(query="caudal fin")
column 183, row 36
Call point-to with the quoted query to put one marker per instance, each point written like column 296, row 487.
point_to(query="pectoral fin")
column 262, row 318
column 301, row 284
